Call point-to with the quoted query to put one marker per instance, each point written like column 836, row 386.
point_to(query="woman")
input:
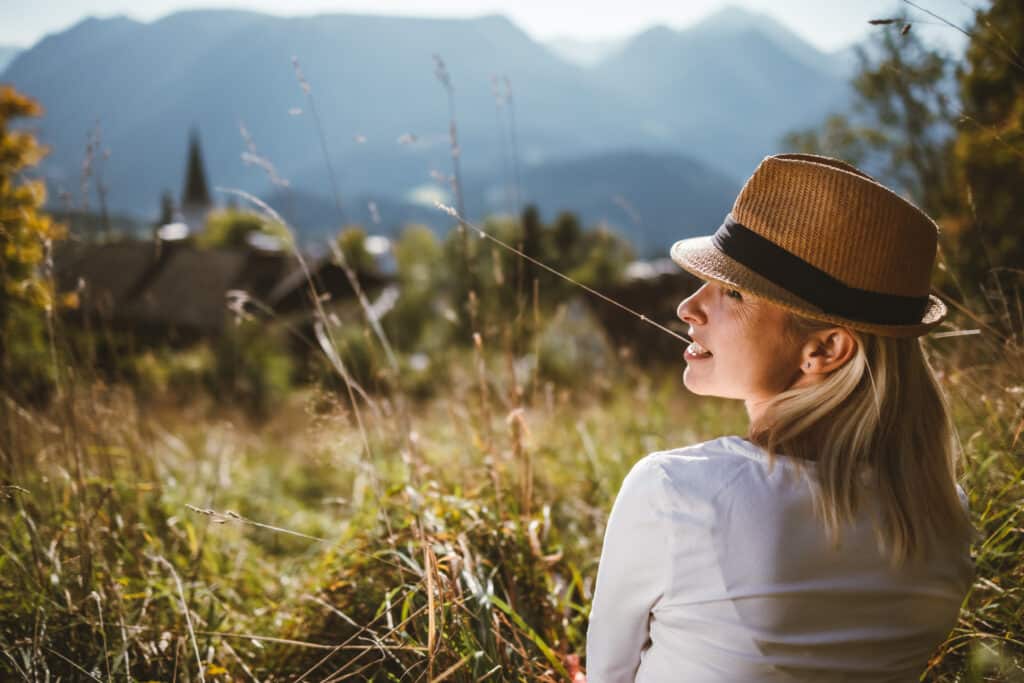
column 831, row 543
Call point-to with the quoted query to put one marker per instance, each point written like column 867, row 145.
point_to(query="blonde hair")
column 878, row 421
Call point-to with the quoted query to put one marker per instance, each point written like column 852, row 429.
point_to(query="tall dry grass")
column 151, row 543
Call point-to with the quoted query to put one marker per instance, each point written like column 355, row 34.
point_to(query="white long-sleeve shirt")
column 715, row 568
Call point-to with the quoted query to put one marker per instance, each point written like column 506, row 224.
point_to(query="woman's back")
column 719, row 558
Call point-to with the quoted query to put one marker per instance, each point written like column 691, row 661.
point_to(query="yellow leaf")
column 215, row 670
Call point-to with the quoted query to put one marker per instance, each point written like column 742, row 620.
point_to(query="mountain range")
column 7, row 54
column 667, row 123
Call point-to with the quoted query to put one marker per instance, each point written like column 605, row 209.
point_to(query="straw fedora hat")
column 825, row 240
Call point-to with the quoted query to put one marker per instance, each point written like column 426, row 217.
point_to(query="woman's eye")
column 735, row 294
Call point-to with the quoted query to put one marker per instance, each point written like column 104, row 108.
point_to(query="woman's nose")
column 689, row 310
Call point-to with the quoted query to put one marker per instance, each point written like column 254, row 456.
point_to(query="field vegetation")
column 424, row 496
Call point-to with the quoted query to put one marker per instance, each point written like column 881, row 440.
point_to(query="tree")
column 26, row 234
column 902, row 126
column 419, row 257
column 352, row 243
column 989, row 150
column 233, row 228
column 166, row 209
column 532, row 231
column 567, row 238
column 603, row 259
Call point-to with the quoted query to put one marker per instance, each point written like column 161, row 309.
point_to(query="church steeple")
column 196, row 193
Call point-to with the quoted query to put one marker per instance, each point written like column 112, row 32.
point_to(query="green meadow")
column 418, row 491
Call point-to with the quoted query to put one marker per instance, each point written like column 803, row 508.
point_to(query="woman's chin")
column 693, row 384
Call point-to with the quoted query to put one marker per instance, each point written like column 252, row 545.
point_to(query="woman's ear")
column 827, row 350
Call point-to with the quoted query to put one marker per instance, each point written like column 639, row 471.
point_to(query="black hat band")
column 813, row 285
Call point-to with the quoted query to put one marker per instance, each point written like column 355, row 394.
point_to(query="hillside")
column 685, row 93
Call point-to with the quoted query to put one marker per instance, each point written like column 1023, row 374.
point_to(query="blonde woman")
column 831, row 542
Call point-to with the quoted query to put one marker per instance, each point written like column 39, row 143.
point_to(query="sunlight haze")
column 827, row 24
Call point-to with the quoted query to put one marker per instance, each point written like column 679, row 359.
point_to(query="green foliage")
column 29, row 371
column 990, row 145
column 504, row 284
column 252, row 367
column 573, row 348
column 418, row 255
column 902, row 123
column 360, row 353
column 183, row 376
column 567, row 238
column 228, row 228
column 352, row 243
column 838, row 137
column 26, row 234
column 493, row 585
column 248, row 368
column 983, row 379
column 603, row 260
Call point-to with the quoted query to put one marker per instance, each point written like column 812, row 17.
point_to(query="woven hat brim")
column 700, row 257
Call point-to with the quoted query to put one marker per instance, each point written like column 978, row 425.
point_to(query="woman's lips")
column 696, row 352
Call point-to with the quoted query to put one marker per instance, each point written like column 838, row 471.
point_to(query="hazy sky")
column 828, row 24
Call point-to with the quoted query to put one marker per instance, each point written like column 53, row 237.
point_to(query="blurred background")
column 647, row 120
column 269, row 412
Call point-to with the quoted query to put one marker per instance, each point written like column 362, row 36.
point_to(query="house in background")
column 170, row 291
column 175, row 293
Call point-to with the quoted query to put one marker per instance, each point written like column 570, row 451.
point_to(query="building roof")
column 189, row 291
column 108, row 275
column 178, row 287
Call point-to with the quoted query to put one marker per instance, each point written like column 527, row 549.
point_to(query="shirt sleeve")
column 631, row 576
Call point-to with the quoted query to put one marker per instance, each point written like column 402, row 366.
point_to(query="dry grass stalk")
column 327, row 343
column 485, row 394
column 229, row 515
column 353, row 674
column 452, row 669
column 428, row 570
column 350, row 274
column 185, row 610
column 73, row 664
column 521, row 454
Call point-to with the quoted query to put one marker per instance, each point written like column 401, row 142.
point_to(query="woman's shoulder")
column 707, row 468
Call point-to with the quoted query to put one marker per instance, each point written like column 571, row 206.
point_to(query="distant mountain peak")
column 496, row 18
column 732, row 19
column 658, row 31
column 94, row 23
column 655, row 38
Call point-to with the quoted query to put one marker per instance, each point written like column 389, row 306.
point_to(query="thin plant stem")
column 350, row 274
column 1010, row 57
column 185, row 609
column 452, row 212
column 229, row 515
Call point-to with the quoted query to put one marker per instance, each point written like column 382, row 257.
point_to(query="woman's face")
column 751, row 356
